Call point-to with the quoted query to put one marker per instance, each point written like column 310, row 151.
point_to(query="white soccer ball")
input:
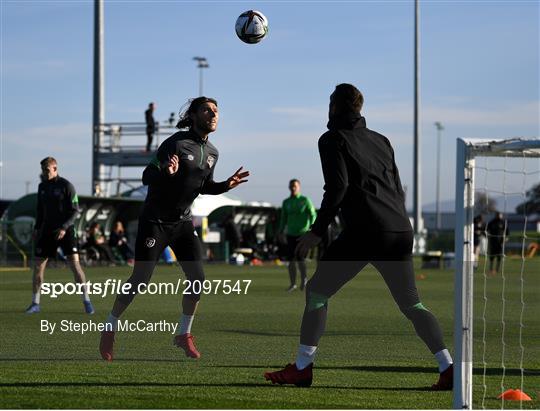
column 251, row 26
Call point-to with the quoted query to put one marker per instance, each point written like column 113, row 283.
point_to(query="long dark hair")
column 191, row 107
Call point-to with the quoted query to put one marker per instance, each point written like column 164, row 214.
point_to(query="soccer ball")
column 251, row 26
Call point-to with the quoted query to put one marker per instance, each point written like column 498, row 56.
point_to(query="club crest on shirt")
column 211, row 160
column 190, row 157
column 150, row 242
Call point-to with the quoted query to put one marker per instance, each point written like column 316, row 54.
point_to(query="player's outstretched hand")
column 306, row 243
column 237, row 178
column 60, row 234
column 172, row 166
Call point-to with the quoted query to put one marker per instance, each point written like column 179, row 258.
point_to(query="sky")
column 479, row 67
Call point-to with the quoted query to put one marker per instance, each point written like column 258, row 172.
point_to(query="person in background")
column 57, row 210
column 479, row 232
column 118, row 241
column 150, row 125
column 497, row 233
column 297, row 216
column 97, row 240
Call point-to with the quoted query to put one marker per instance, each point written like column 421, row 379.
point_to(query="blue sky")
column 479, row 68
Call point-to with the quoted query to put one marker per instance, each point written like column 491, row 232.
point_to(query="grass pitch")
column 369, row 357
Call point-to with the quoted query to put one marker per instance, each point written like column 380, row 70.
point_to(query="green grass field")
column 368, row 358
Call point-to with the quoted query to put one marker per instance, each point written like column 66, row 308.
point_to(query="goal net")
column 497, row 279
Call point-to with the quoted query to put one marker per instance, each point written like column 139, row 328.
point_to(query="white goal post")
column 467, row 151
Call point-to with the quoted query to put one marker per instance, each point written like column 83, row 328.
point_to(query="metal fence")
column 17, row 242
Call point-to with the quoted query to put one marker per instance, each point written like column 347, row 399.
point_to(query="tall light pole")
column 440, row 128
column 98, row 117
column 202, row 63
column 417, row 202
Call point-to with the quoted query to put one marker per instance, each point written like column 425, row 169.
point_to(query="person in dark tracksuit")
column 497, row 232
column 362, row 181
column 182, row 169
column 150, row 125
column 57, row 210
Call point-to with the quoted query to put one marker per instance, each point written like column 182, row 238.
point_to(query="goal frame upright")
column 467, row 151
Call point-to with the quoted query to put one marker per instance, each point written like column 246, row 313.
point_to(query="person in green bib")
column 297, row 216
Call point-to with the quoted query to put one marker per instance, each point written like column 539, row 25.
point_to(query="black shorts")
column 47, row 244
column 152, row 238
column 389, row 252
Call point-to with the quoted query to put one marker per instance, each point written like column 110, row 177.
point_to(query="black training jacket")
column 170, row 198
column 361, row 180
column 57, row 205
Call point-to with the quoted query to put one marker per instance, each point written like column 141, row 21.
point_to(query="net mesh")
column 504, row 270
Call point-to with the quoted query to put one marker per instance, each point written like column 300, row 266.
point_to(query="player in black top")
column 362, row 181
column 497, row 232
column 479, row 228
column 150, row 125
column 182, row 169
column 57, row 209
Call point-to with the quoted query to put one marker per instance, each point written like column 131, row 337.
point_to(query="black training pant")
column 391, row 254
column 292, row 242
column 152, row 238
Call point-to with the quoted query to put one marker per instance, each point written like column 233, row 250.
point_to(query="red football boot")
column 106, row 345
column 291, row 375
column 186, row 342
column 446, row 380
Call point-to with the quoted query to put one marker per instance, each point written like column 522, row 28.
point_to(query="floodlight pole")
column 99, row 98
column 202, row 63
column 417, row 202
column 440, row 128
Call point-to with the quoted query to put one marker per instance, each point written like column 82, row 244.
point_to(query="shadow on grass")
column 159, row 384
column 360, row 368
column 394, row 368
column 327, row 333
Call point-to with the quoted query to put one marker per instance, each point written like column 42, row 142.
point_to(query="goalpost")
column 468, row 151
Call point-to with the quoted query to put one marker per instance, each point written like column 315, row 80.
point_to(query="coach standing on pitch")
column 182, row 169
column 57, row 209
column 361, row 180
column 297, row 215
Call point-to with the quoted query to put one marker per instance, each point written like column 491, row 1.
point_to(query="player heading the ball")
column 182, row 169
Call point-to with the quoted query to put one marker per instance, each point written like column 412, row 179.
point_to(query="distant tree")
column 484, row 204
column 532, row 204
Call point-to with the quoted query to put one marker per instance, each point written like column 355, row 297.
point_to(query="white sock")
column 184, row 325
column 111, row 323
column 444, row 359
column 85, row 296
column 305, row 356
column 36, row 297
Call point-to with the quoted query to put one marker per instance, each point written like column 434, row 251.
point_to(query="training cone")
column 514, row 395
